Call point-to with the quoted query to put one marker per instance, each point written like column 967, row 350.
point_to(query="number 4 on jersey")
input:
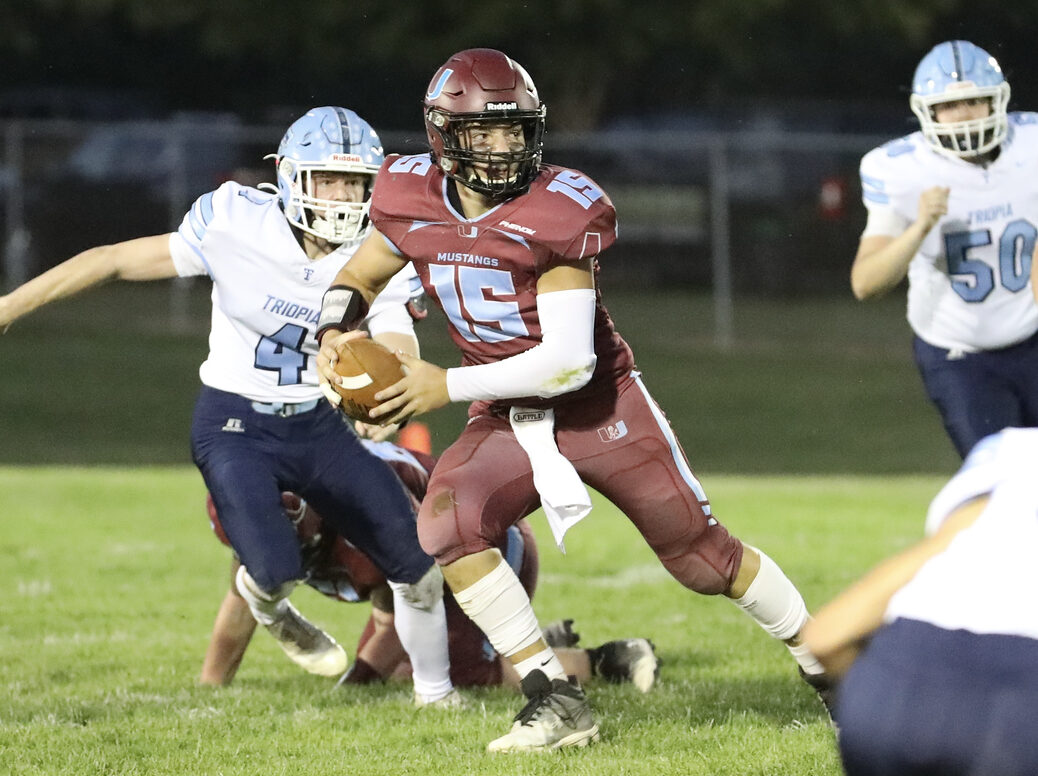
column 282, row 352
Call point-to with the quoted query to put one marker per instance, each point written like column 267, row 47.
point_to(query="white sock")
column 806, row 659
column 265, row 607
column 545, row 661
column 423, row 634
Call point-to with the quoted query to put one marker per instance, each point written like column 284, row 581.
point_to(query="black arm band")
column 342, row 309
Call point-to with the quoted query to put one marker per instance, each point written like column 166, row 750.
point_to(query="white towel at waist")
column 563, row 495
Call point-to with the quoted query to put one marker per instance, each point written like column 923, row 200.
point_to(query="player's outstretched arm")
column 144, row 258
column 882, row 261
column 840, row 629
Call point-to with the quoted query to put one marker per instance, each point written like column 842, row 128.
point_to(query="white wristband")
column 562, row 362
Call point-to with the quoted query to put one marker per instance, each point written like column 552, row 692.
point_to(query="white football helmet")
column 328, row 139
column 959, row 70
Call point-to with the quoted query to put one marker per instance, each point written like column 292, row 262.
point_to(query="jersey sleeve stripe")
column 872, row 189
column 592, row 245
column 873, row 183
column 201, row 214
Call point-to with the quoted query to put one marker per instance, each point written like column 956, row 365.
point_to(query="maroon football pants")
column 622, row 446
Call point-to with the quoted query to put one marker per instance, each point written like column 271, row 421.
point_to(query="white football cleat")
column 556, row 716
column 305, row 644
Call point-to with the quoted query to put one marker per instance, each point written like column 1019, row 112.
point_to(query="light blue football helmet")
column 959, row 70
column 328, row 139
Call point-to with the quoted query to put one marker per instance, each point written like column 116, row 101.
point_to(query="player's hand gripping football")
column 327, row 357
column 423, row 389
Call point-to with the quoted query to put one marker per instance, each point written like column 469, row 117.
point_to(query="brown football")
column 366, row 367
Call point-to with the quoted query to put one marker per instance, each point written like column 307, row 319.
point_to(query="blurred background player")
column 340, row 571
column 260, row 426
column 939, row 675
column 509, row 248
column 955, row 207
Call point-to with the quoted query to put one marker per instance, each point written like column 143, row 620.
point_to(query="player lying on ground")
column 340, row 571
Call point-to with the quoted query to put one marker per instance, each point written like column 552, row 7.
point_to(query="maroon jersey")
column 483, row 272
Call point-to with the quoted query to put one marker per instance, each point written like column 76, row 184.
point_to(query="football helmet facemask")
column 958, row 70
column 328, row 139
column 473, row 90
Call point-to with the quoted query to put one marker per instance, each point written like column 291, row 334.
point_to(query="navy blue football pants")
column 247, row 458
column 981, row 393
column 922, row 701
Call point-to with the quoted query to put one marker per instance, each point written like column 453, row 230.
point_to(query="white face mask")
column 333, row 220
column 964, row 139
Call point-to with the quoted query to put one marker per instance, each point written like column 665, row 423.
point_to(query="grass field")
column 112, row 579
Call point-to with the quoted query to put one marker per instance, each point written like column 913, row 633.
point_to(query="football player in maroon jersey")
column 509, row 247
column 341, row 571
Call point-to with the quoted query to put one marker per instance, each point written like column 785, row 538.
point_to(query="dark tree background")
column 593, row 60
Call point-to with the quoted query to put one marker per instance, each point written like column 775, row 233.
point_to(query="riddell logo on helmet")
column 346, row 158
column 502, row 106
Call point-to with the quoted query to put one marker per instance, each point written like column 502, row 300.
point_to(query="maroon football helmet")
column 478, row 87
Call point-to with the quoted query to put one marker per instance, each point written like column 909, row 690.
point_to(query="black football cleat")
column 627, row 660
column 825, row 688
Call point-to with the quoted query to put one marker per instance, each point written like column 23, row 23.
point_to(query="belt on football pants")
column 283, row 409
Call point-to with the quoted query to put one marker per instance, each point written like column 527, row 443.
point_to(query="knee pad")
column 423, row 594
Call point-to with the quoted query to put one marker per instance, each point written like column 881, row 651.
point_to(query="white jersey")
column 969, row 284
column 267, row 294
column 981, row 582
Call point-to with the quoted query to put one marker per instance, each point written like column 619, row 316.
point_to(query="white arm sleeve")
column 563, row 361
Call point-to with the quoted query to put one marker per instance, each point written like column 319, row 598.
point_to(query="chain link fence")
column 772, row 213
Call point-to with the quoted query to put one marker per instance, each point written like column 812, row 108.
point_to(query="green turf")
column 809, row 385
column 112, row 579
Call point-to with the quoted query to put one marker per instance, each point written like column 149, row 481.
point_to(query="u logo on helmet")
column 437, row 88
